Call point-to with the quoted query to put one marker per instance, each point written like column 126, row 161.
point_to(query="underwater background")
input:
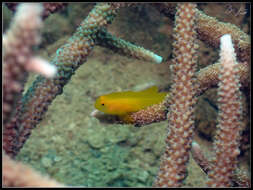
column 79, row 150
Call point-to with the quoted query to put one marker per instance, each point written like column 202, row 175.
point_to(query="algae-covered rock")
column 95, row 136
column 95, row 140
column 118, row 134
column 46, row 162
column 143, row 176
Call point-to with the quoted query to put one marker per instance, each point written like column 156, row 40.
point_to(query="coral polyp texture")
column 49, row 137
column 229, row 119
column 17, row 54
column 180, row 116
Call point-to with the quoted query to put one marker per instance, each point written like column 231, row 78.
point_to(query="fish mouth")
column 105, row 118
column 94, row 113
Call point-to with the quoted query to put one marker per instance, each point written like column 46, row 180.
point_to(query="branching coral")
column 229, row 120
column 68, row 58
column 17, row 44
column 238, row 177
column 74, row 53
column 182, row 100
column 18, row 60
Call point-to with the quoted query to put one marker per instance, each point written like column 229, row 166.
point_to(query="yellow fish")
column 124, row 103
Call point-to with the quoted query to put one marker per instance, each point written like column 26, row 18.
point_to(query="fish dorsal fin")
column 134, row 94
column 150, row 90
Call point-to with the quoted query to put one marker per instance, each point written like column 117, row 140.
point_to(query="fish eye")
column 102, row 104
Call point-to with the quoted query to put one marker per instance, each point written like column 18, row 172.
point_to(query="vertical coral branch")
column 180, row 117
column 226, row 143
column 18, row 59
column 17, row 43
column 43, row 91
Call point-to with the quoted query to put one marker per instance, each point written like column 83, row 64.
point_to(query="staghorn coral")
column 181, row 100
column 151, row 114
column 239, row 177
column 18, row 60
column 91, row 93
column 206, row 79
column 126, row 48
column 227, row 138
column 68, row 58
column 208, row 76
column 17, row 45
column 210, row 30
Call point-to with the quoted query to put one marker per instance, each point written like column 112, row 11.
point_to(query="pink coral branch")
column 226, row 143
column 181, row 122
column 16, row 174
column 17, row 54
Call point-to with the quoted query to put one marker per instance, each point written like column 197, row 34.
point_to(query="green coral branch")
column 68, row 58
column 123, row 47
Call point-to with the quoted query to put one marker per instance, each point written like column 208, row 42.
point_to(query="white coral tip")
column 41, row 66
column 158, row 59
